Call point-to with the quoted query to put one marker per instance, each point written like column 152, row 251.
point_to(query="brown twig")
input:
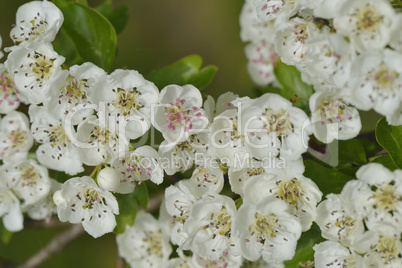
column 56, row 245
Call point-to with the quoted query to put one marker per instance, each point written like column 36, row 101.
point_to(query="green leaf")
column 118, row 17
column 304, row 251
column 141, row 194
column 82, row 2
column 128, row 207
column 370, row 146
column 390, row 138
column 290, row 78
column 350, row 151
column 92, row 35
column 185, row 71
column 328, row 180
column 384, row 160
column 5, row 235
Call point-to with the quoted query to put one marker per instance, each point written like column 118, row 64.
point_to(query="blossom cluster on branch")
column 80, row 119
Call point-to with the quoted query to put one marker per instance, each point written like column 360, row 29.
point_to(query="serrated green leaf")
column 350, row 151
column 118, row 17
column 384, row 160
column 128, row 207
column 290, row 78
column 92, row 35
column 185, row 71
column 304, row 251
column 141, row 194
column 328, row 180
column 390, row 138
column 5, row 235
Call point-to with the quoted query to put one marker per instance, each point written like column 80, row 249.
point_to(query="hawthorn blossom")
column 377, row 81
column 137, row 166
column 10, row 209
column 37, row 20
column 34, row 68
column 273, row 127
column 28, row 180
column 80, row 200
column 279, row 10
column 56, row 151
column 367, row 23
column 262, row 59
column 332, row 117
column 179, row 113
column 9, row 94
column 225, row 261
column 266, row 230
column 207, row 180
column 128, row 97
column 336, row 222
column 72, row 87
column 45, row 207
column 144, row 244
column 332, row 254
column 381, row 246
column 291, row 40
column 181, row 156
column 289, row 185
column 209, row 227
column 98, row 141
column 376, row 195
column 16, row 138
column 223, row 103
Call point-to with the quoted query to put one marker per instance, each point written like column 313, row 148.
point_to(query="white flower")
column 272, row 127
column 99, row 141
column 327, row 61
column 266, row 230
column 332, row 117
column 181, row 156
column 44, row 208
column 16, row 138
column 368, row 23
column 28, row 180
column 396, row 37
column 279, row 10
column 179, row 200
column 209, row 227
column 177, row 263
column 380, row 194
column 223, row 103
column 381, row 247
column 291, row 40
column 9, row 94
column 333, row 255
column 144, row 244
column 395, row 119
column 179, row 113
column 80, row 200
column 10, row 210
column 128, row 97
column 137, row 166
column 262, row 58
column 289, row 185
column 207, row 180
column 227, row 143
column 251, row 27
column 109, row 179
column 57, row 151
column 336, row 222
column 377, row 81
column 71, row 88
column 327, row 9
column 225, row 261
column 34, row 68
column 37, row 20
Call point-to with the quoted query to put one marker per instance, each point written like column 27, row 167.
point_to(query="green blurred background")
column 158, row 33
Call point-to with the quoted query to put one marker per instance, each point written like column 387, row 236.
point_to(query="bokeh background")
column 158, row 33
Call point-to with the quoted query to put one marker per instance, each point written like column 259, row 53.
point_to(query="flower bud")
column 109, row 179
